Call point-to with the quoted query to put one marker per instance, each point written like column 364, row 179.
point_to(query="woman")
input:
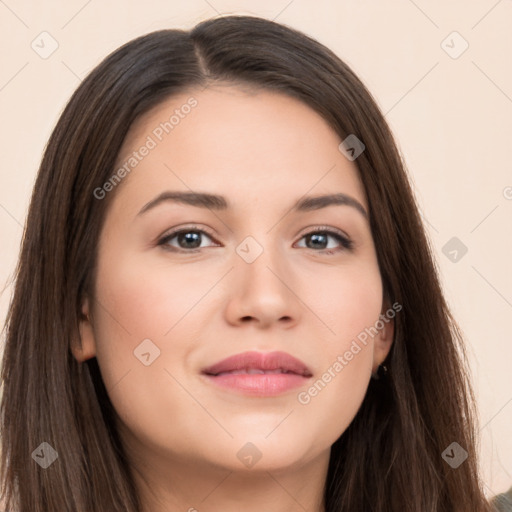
column 261, row 371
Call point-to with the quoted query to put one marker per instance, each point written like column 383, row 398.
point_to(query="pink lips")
column 260, row 374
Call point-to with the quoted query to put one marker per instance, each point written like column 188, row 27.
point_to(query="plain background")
column 450, row 108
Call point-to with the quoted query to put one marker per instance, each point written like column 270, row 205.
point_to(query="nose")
column 264, row 292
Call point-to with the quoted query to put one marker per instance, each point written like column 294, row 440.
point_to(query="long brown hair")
column 391, row 456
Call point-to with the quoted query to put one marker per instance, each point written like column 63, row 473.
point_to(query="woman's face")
column 246, row 274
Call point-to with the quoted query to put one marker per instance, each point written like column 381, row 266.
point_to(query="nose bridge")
column 260, row 258
column 263, row 280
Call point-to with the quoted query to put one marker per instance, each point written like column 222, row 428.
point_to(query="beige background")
column 451, row 113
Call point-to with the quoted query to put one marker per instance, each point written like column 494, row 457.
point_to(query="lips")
column 258, row 374
column 253, row 371
column 258, row 363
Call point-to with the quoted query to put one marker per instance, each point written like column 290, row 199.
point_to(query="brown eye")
column 318, row 239
column 186, row 239
column 189, row 240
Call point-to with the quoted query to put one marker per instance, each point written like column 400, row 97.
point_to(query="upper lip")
column 261, row 361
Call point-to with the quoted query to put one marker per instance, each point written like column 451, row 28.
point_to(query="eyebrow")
column 216, row 202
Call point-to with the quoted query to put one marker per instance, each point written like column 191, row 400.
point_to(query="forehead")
column 239, row 142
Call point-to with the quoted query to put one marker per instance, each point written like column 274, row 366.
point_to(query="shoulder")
column 503, row 502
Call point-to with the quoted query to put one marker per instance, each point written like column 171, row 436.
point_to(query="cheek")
column 349, row 303
column 150, row 299
column 144, row 299
column 345, row 300
column 138, row 302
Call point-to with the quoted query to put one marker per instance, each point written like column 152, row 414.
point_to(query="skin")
column 262, row 151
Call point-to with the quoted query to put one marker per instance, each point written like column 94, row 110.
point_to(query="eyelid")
column 192, row 227
column 312, row 229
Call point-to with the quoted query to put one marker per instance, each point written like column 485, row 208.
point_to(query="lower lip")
column 268, row 384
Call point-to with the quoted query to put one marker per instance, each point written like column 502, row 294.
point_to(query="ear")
column 384, row 339
column 85, row 347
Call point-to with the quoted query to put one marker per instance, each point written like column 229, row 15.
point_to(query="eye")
column 319, row 236
column 189, row 240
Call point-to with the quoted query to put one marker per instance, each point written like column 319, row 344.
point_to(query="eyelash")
column 344, row 241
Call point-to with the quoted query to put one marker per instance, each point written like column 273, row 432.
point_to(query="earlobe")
column 383, row 340
column 85, row 347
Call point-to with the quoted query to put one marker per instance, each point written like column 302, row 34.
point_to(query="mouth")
column 253, row 371
column 258, row 374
